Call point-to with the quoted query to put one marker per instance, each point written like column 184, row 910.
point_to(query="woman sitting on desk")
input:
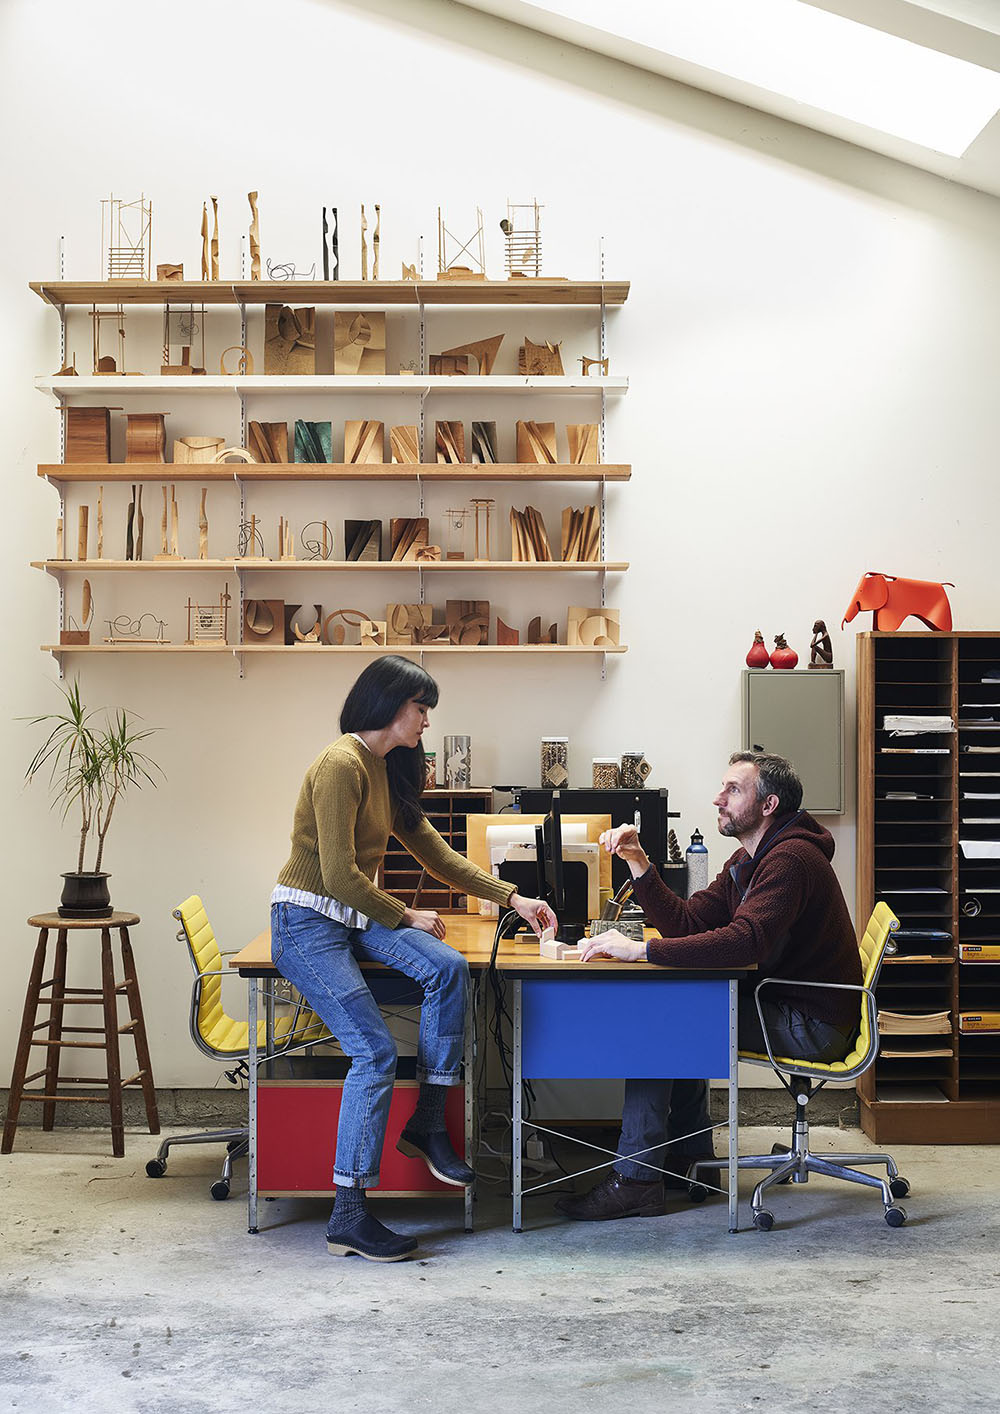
column 327, row 916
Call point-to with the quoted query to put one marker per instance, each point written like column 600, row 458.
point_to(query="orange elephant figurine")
column 892, row 599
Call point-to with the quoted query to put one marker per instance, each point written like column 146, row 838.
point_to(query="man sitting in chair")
column 776, row 903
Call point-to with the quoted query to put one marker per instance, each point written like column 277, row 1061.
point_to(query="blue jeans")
column 661, row 1119
column 320, row 957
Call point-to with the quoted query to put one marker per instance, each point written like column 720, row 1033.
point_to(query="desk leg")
column 470, row 1130
column 252, row 1107
column 734, row 1120
column 515, row 1133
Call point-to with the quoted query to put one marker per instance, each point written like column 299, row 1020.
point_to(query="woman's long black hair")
column 372, row 703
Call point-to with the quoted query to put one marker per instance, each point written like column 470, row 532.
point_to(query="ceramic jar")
column 555, row 762
column 604, row 772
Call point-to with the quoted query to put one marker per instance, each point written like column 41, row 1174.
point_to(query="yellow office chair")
column 796, row 1163
column 222, row 1037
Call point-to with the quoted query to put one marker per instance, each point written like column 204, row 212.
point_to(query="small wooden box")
column 88, row 435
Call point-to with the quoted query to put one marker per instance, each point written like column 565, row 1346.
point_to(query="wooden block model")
column 529, row 541
column 289, row 340
column 539, row 360
column 405, row 623
column 264, row 621
column 484, row 442
column 584, row 443
column 505, row 634
column 170, row 272
column 313, row 441
column 594, row 628
column 404, row 443
column 373, row 634
column 536, row 442
column 359, row 343
column 364, row 443
column 581, row 534
column 428, row 553
column 449, row 442
column 440, row 364
column 269, row 441
column 484, row 351
column 468, row 621
column 362, row 539
column 88, row 434
column 82, row 531
column 293, row 634
column 536, row 634
column 195, row 450
column 406, row 533
column 145, row 437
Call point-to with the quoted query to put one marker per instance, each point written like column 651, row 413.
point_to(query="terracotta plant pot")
column 85, row 896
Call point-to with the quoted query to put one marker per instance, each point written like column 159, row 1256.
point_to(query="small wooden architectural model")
column 452, row 252
column 192, row 450
column 145, row 437
column 293, row 634
column 406, row 533
column 254, row 237
column 406, row 623
column 313, row 441
column 593, row 628
column 268, row 441
column 484, row 351
column 317, row 540
column 289, row 340
column 468, row 621
column 581, row 534
column 127, row 238
column 362, row 540
column 529, row 540
column 88, row 434
column 484, row 443
column 539, row 360
column 584, row 443
column 181, row 328
column 482, row 507
column 244, row 362
column 588, row 363
column 336, row 624
column 522, row 233
column 264, row 621
column 364, row 443
column 449, row 442
column 404, row 444
column 78, row 633
column 208, row 623
column 359, row 342
column 536, row 442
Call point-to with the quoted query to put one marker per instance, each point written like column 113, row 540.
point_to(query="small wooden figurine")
column 820, row 649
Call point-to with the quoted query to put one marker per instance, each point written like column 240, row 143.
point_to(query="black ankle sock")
column 349, row 1204
column 428, row 1117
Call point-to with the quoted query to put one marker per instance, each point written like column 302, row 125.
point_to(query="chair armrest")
column 826, row 986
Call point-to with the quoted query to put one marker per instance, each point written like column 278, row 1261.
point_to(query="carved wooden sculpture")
column 891, row 600
column 409, row 271
column 405, row 534
column 170, row 272
column 449, row 442
column 468, row 621
column 373, row 634
column 364, row 443
column 130, row 528
column 293, row 634
column 484, row 443
column 404, row 443
column 376, row 239
column 537, row 635
column 139, row 522
column 593, row 628
column 539, row 360
column 427, row 554
column 79, row 636
column 529, row 541
column 447, row 366
column 254, row 237
column 195, row 450
column 145, row 437
column 584, row 443
column 313, row 441
column 505, row 634
column 169, row 513
column 244, row 361
column 362, row 539
column 405, row 623
column 286, row 543
column 331, row 251
column 204, row 242
column 203, row 525
column 215, row 236
column 240, row 453
column 100, row 522
column 820, row 649
column 289, row 340
column 588, row 363
column 581, row 534
column 359, row 342
column 364, row 244
column 268, row 441
column 88, row 435
column 483, row 350
column 536, row 442
column 82, row 530
column 60, row 540
column 335, row 625
column 264, row 621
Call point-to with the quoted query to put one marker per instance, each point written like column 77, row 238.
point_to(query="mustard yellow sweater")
column 343, row 819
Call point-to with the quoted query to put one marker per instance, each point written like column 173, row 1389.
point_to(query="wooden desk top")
column 473, row 938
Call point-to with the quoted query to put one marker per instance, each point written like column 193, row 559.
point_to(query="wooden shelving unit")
column 117, row 385
column 447, row 811
column 376, row 294
column 59, row 473
column 920, row 798
column 331, row 566
column 299, row 650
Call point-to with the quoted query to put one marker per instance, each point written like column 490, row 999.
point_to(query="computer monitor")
column 646, row 808
column 569, row 903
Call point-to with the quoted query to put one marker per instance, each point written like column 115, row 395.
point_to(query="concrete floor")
column 128, row 1294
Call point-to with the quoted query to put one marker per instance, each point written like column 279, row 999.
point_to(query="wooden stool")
column 55, row 994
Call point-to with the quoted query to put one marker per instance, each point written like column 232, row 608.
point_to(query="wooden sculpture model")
column 892, row 599
column 820, row 649
column 254, row 237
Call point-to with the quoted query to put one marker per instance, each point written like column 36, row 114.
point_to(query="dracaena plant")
column 91, row 765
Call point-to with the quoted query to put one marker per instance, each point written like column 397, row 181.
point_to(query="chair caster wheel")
column 156, row 1168
column 763, row 1221
column 895, row 1216
column 781, row 1149
column 697, row 1193
column 899, row 1187
column 220, row 1190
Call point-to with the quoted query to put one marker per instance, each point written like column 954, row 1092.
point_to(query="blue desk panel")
column 616, row 1028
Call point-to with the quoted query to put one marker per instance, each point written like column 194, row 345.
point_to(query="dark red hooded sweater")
column 782, row 909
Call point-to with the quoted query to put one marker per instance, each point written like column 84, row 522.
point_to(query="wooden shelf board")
column 329, row 471
column 375, row 293
column 304, row 648
column 139, row 648
column 114, row 385
column 327, row 566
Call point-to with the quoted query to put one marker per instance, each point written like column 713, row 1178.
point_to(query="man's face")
column 740, row 812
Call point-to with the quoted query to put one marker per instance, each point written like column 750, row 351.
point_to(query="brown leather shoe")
column 615, row 1197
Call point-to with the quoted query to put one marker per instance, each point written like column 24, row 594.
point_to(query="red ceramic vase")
column 757, row 657
column 783, row 656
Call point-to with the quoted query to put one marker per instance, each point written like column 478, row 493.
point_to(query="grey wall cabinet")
column 800, row 714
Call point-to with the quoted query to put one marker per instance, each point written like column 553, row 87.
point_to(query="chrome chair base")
column 237, row 1142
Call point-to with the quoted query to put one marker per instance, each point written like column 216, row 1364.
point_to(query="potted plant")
column 91, row 768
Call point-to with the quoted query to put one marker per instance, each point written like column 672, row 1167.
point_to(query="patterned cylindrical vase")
column 458, row 762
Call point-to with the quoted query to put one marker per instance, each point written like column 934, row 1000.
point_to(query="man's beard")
column 744, row 824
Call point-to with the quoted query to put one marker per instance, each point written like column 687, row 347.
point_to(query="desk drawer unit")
column 297, row 1136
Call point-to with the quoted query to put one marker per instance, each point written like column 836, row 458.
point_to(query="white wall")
column 811, row 341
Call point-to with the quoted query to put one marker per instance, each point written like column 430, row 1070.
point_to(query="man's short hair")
column 775, row 776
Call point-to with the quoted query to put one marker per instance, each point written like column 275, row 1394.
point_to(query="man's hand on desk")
column 535, row 912
column 623, row 840
column 425, row 919
column 613, row 944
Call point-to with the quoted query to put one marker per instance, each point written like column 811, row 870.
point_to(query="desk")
column 604, row 1018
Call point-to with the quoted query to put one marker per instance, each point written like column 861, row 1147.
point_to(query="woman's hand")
column 623, row 840
column 613, row 944
column 425, row 919
column 534, row 911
